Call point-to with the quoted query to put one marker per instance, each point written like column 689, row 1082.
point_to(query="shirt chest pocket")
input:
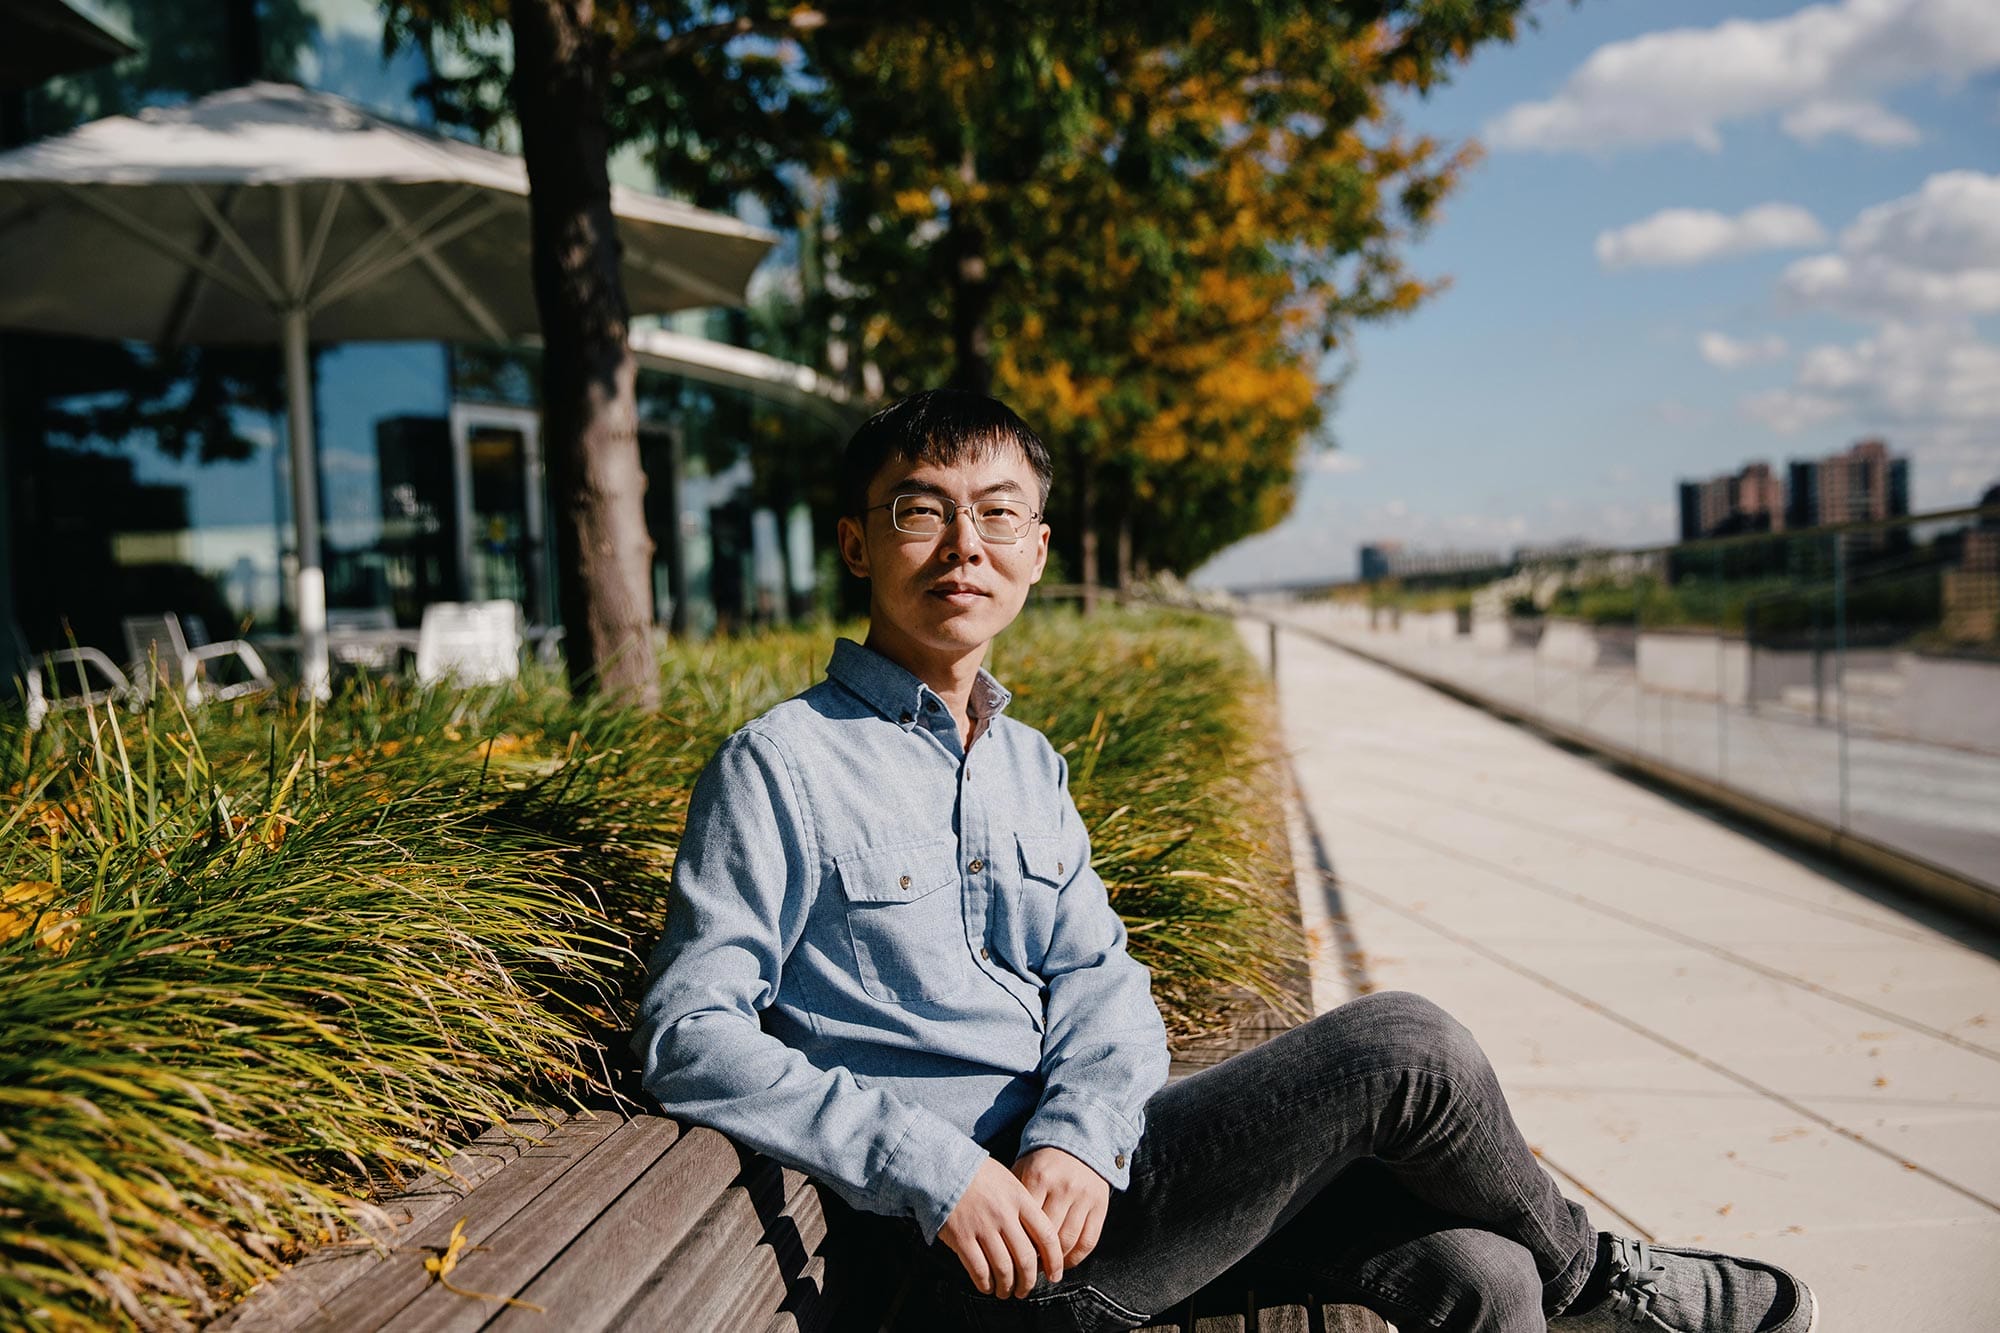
column 906, row 920
column 1044, row 871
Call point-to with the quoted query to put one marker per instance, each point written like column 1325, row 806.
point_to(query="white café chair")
column 469, row 643
column 161, row 656
column 41, row 703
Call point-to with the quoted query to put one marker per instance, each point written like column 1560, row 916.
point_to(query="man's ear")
column 853, row 546
column 1041, row 551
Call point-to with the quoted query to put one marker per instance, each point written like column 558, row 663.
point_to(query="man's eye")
column 922, row 509
column 1002, row 513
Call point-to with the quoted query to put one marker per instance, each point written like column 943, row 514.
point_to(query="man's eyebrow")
column 932, row 488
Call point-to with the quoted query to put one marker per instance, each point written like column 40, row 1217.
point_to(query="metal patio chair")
column 40, row 703
column 161, row 656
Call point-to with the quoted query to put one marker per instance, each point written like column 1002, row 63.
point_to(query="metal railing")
column 1847, row 676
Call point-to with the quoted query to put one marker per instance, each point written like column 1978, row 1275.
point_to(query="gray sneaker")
column 1676, row 1290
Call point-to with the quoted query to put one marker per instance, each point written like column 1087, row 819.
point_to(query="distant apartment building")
column 1864, row 484
column 1389, row 559
column 1752, row 500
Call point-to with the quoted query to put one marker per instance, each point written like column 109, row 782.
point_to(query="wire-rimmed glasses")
column 996, row 520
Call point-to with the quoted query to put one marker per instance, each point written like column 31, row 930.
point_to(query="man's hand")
column 998, row 1231
column 1074, row 1197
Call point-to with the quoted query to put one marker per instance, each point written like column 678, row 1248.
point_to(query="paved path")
column 1710, row 1038
column 1939, row 803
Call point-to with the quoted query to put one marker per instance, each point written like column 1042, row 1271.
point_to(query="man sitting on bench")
column 888, row 962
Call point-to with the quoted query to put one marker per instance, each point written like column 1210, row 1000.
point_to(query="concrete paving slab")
column 1685, row 1014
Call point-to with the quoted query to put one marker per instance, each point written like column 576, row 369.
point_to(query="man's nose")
column 961, row 541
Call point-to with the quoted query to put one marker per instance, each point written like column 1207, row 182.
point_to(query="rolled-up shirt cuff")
column 1088, row 1129
column 928, row 1171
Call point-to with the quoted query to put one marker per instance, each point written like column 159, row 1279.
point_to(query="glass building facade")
column 146, row 479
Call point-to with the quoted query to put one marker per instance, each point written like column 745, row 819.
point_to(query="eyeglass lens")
column 928, row 515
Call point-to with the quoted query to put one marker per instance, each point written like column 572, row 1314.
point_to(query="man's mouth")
column 957, row 592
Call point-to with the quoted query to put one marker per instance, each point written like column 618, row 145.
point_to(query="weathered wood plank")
column 290, row 1297
column 1287, row 1317
column 685, row 1286
column 1353, row 1319
column 518, row 1251
column 585, row 1288
column 766, row 1277
column 400, row 1278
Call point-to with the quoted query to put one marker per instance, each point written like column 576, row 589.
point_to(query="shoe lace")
column 1635, row 1278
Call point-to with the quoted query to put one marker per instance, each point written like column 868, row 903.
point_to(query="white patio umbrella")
column 270, row 213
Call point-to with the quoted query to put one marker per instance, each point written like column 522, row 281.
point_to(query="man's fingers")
column 1021, row 1248
column 1047, row 1244
column 976, row 1268
column 999, row 1262
column 1090, row 1228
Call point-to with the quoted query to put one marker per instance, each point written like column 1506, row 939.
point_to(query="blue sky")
column 1702, row 234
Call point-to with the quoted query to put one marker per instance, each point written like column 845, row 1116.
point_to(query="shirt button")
column 906, row 881
column 976, row 866
column 984, row 954
column 1119, row 1161
column 908, row 718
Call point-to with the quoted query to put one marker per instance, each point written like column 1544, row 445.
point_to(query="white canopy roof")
column 171, row 227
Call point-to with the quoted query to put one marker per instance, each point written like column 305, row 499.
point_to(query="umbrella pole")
column 314, row 673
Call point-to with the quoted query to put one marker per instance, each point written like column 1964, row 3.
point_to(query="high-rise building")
column 1751, row 500
column 1864, row 484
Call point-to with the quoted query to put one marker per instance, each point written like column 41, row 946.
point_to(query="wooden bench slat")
column 400, row 1278
column 526, row 1242
column 683, row 1284
column 1282, row 1319
column 768, row 1277
column 1352, row 1319
column 291, row 1296
column 586, row 1286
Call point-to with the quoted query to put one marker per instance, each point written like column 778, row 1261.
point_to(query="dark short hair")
column 942, row 426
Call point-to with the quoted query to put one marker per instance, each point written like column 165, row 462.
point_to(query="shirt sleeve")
column 1104, row 1048
column 744, row 880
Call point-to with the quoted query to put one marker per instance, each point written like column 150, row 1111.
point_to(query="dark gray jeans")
column 1368, row 1155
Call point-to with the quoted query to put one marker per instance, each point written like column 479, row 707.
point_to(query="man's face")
column 952, row 592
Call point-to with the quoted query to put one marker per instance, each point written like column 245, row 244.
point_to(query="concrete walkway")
column 1710, row 1038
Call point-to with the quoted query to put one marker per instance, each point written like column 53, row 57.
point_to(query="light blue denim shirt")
column 884, row 950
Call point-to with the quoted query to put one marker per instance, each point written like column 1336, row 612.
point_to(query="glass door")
column 503, row 551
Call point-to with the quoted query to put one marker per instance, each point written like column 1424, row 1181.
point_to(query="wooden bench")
column 609, row 1223
column 634, row 1224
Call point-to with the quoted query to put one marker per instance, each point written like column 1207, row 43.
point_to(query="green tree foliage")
column 1148, row 225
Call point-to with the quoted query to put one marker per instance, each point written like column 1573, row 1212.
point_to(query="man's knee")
column 1402, row 1028
column 1486, row 1284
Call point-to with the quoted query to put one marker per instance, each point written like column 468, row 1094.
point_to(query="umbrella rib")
column 672, row 272
column 364, row 254
column 426, row 254
column 329, row 205
column 159, row 240
column 382, row 268
column 185, row 299
column 232, row 238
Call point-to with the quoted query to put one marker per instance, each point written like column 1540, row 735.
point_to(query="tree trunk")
column 1086, row 523
column 1125, row 548
column 971, row 293
column 589, row 415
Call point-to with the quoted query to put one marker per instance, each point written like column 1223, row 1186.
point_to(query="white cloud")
column 1934, row 253
column 1932, row 389
column 1867, row 122
column 1721, row 350
column 1331, row 461
column 1821, row 68
column 1682, row 236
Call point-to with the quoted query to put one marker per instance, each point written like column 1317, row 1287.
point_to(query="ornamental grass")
column 261, row 963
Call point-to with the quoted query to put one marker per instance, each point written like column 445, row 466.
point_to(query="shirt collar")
column 897, row 694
